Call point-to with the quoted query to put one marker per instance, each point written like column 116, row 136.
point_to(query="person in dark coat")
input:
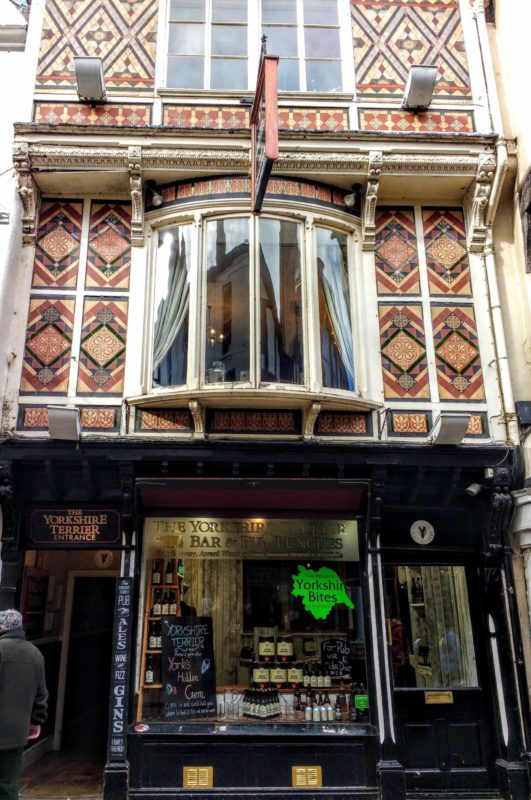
column 23, row 699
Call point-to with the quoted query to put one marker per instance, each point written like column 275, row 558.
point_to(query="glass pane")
column 320, row 12
column 229, row 10
column 185, row 72
column 323, row 76
column 229, row 73
column 279, row 11
column 281, row 339
column 281, row 41
column 187, row 39
column 172, row 291
column 187, row 9
column 431, row 629
column 322, row 43
column 288, row 75
column 227, row 348
column 337, row 354
column 228, row 40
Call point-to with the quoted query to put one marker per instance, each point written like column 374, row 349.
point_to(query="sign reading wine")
column 188, row 671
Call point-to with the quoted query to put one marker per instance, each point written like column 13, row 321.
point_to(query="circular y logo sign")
column 422, row 532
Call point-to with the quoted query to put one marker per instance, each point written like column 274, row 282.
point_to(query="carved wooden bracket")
column 479, row 200
column 134, row 154
column 370, row 198
column 28, row 191
column 311, row 418
column 196, row 411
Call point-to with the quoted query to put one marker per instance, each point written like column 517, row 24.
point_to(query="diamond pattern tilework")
column 121, row 32
column 58, row 239
column 109, row 246
column 48, row 345
column 406, row 423
column 343, row 424
column 77, row 114
column 396, row 257
column 403, row 348
column 102, row 354
column 446, row 252
column 178, row 421
column 459, row 373
column 107, row 418
column 428, row 121
column 389, row 37
column 233, row 117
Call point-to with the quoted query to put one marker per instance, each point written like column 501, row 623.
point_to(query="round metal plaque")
column 422, row 532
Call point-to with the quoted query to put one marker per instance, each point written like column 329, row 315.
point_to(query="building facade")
column 258, row 467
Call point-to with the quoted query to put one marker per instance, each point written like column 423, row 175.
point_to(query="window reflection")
column 227, row 349
column 281, row 351
column 337, row 355
column 172, row 291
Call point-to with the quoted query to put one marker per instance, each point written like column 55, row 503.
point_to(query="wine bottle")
column 165, row 604
column 157, row 606
column 149, row 676
column 152, row 640
column 155, row 575
column 173, row 602
column 168, row 575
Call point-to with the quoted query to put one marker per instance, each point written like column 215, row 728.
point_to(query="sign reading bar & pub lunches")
column 264, row 128
column 75, row 527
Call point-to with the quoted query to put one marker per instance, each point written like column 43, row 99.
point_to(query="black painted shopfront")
column 374, row 554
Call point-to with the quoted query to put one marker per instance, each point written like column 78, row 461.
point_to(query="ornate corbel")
column 370, row 198
column 28, row 191
column 196, row 411
column 134, row 155
column 311, row 418
column 480, row 194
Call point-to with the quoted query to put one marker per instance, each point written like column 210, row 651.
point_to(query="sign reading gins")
column 74, row 527
column 325, row 540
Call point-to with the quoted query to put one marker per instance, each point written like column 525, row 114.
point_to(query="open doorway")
column 79, row 696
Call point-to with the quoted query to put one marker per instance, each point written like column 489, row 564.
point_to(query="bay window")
column 214, row 44
column 238, row 299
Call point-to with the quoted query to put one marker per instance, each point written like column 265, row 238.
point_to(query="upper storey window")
column 254, row 302
column 214, row 44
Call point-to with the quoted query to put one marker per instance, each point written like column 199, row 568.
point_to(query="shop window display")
column 248, row 620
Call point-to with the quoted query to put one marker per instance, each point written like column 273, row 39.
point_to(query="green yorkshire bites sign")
column 320, row 589
column 253, row 538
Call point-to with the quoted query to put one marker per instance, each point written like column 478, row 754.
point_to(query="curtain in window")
column 333, row 282
column 173, row 308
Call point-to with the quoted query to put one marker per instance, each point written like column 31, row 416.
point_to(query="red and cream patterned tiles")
column 163, row 421
column 403, row 348
column 102, row 352
column 343, row 424
column 396, row 253
column 46, row 366
column 446, row 251
column 93, row 418
column 132, row 114
column 407, row 122
column 109, row 246
column 235, row 117
column 459, row 373
column 253, row 422
column 58, row 241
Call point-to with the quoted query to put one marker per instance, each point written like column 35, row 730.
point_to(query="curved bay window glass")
column 259, row 285
column 337, row 355
column 281, row 346
column 172, row 292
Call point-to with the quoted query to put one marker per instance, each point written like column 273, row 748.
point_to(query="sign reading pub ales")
column 74, row 527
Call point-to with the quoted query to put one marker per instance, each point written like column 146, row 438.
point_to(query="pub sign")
column 76, row 528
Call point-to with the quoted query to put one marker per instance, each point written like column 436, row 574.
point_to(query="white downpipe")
column 488, row 67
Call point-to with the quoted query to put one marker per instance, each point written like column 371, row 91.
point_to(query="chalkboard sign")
column 188, row 670
column 121, row 662
column 335, row 657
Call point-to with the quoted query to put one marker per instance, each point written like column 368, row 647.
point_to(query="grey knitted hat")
column 10, row 619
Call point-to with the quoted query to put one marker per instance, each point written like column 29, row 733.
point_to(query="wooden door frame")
column 65, row 649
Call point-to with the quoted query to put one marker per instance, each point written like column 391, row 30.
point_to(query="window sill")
column 247, row 96
column 256, row 728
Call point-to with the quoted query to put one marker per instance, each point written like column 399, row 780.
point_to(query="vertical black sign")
column 121, row 662
column 188, row 671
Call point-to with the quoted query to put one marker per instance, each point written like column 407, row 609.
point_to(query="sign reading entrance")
column 75, row 527
column 264, row 129
column 188, row 672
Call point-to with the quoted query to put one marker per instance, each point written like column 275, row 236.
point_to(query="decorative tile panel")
column 403, row 349
column 109, row 246
column 396, row 256
column 58, row 240
column 236, row 117
column 313, row 119
column 425, row 122
column 389, row 37
column 163, row 421
column 239, row 187
column 409, row 423
column 254, row 422
column 79, row 114
column 478, row 427
column 343, row 424
column 102, row 354
column 120, row 32
column 103, row 418
column 459, row 373
column 446, row 251
column 48, row 346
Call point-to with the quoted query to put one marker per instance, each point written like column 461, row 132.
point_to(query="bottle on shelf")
column 169, row 572
column 329, row 709
column 337, row 709
column 172, row 602
column 313, row 676
column 156, row 609
column 165, row 607
column 327, row 679
column 320, row 677
column 149, row 675
column 308, row 712
column 155, row 575
column 352, row 710
column 306, row 675
column 159, row 635
column 152, row 638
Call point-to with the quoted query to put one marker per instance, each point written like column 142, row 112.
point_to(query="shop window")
column 262, row 284
column 429, row 627
column 247, row 619
column 214, row 44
